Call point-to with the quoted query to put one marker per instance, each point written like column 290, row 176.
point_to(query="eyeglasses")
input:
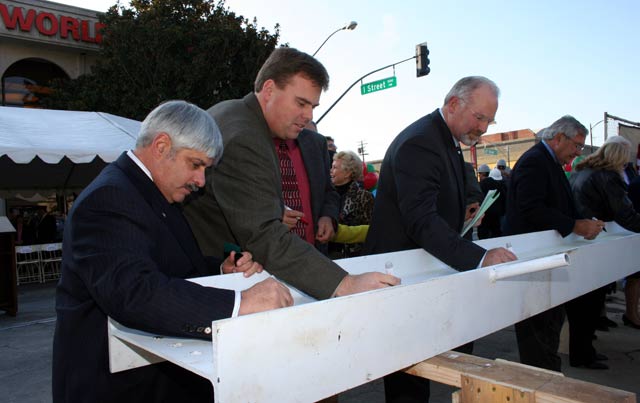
column 481, row 118
column 579, row 146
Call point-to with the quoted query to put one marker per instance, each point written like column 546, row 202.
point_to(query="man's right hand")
column 355, row 283
column 589, row 229
column 497, row 256
column 291, row 217
column 264, row 296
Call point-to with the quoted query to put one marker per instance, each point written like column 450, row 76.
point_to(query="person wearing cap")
column 504, row 170
column 491, row 222
column 483, row 172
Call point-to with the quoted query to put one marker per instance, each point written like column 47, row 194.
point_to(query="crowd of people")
column 36, row 226
column 255, row 173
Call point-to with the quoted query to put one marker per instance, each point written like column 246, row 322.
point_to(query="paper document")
column 489, row 199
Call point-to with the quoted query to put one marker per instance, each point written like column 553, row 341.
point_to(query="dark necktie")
column 290, row 191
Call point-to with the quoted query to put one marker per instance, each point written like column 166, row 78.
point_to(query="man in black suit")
column 126, row 254
column 421, row 198
column 540, row 199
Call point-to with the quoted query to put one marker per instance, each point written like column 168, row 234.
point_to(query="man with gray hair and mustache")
column 421, row 200
column 126, row 254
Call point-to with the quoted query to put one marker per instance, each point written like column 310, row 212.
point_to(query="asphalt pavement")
column 26, row 341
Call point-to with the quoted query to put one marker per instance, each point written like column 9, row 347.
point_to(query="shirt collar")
column 456, row 143
column 553, row 155
column 139, row 163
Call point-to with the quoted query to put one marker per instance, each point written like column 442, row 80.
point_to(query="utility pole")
column 362, row 150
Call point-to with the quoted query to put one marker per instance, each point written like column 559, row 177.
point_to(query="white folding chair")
column 50, row 260
column 28, row 267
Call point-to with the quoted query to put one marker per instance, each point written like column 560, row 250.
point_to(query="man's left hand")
column 471, row 211
column 244, row 265
column 325, row 230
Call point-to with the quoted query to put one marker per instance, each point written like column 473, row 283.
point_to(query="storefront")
column 41, row 41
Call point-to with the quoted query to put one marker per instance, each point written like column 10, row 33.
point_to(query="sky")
column 549, row 58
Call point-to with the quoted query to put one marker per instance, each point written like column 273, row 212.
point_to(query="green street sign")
column 378, row 85
column 490, row 151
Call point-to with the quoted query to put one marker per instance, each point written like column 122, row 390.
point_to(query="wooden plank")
column 475, row 390
column 484, row 380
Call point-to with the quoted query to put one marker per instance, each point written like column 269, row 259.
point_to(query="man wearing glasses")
column 421, row 201
column 540, row 199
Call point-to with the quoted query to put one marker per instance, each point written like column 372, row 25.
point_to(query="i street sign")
column 378, row 85
column 490, row 151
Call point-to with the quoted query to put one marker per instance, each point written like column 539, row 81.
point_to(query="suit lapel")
column 560, row 176
column 267, row 140
column 455, row 160
column 170, row 215
column 559, row 172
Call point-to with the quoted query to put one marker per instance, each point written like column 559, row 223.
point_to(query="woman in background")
column 356, row 204
column 599, row 191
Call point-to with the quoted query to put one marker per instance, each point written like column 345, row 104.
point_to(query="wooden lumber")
column 484, row 380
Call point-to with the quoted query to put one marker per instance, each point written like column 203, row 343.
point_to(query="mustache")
column 192, row 187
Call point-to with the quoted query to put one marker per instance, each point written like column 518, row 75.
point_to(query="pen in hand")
column 237, row 257
column 603, row 228
column 301, row 219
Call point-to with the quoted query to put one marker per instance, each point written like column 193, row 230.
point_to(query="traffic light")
column 422, row 60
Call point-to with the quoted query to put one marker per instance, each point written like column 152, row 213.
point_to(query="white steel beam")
column 316, row 349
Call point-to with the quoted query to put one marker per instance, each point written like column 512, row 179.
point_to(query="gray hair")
column 567, row 125
column 350, row 163
column 187, row 125
column 465, row 86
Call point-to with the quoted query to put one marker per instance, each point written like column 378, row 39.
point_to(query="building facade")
column 41, row 41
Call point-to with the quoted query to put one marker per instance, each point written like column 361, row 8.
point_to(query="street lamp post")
column 349, row 26
column 591, row 131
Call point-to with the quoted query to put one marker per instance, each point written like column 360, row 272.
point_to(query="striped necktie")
column 290, row 191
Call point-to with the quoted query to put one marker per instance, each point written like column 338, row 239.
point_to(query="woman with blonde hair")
column 356, row 204
column 600, row 192
column 599, row 188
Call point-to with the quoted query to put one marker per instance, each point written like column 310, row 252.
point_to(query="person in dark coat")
column 600, row 191
column 492, row 220
column 422, row 196
column 540, row 199
column 127, row 253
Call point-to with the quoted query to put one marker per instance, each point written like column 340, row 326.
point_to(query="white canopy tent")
column 48, row 151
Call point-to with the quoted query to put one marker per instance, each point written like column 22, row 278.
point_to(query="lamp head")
column 351, row 26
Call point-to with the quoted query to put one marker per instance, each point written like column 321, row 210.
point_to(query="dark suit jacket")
column 539, row 196
column 325, row 200
column 243, row 200
column 126, row 252
column 420, row 202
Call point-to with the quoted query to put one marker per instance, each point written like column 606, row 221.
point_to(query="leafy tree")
column 156, row 50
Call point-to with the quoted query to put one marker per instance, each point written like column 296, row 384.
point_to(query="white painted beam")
column 317, row 349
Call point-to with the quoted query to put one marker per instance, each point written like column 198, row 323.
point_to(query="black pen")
column 237, row 257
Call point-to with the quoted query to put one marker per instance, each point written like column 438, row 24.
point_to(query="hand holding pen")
column 603, row 227
column 588, row 228
column 291, row 217
column 241, row 262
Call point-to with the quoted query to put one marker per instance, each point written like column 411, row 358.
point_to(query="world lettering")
column 49, row 24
